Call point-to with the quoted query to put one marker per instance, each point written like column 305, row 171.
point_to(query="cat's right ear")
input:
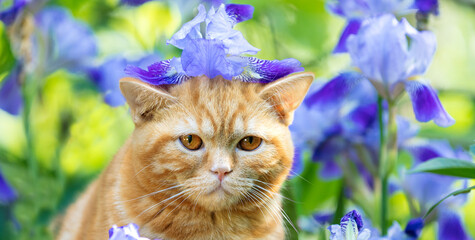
column 144, row 99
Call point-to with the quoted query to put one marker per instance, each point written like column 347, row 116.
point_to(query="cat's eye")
column 191, row 141
column 249, row 143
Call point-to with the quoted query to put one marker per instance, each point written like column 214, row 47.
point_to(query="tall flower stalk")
column 387, row 155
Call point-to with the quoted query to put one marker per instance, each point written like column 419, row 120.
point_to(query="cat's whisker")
column 247, row 194
column 284, row 214
column 143, row 169
column 158, row 212
column 275, row 193
column 270, row 210
column 298, row 175
column 257, row 180
column 152, row 193
column 154, row 205
column 196, row 199
column 177, row 206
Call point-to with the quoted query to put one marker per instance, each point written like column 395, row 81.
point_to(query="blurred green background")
column 75, row 133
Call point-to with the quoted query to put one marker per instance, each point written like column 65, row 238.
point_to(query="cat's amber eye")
column 249, row 143
column 191, row 141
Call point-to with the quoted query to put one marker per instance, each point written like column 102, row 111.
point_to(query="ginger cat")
column 206, row 160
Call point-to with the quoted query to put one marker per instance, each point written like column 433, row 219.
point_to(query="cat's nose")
column 221, row 172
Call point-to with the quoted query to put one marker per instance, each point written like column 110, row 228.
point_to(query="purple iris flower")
column 66, row 42
column 134, row 2
column 392, row 54
column 451, row 226
column 106, row 77
column 11, row 99
column 214, row 3
column 7, row 193
column 356, row 11
column 421, row 186
column 427, row 6
column 8, row 15
column 411, row 232
column 215, row 50
column 127, row 232
column 350, row 228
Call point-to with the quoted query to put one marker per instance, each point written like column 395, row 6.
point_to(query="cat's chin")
column 218, row 199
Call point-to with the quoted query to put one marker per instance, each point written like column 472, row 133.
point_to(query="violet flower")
column 11, row 99
column 427, row 6
column 127, row 232
column 9, row 14
column 411, row 232
column 134, row 2
column 215, row 51
column 214, row 3
column 356, row 11
column 421, row 187
column 7, row 193
column 451, row 226
column 106, row 77
column 350, row 228
column 391, row 55
column 66, row 42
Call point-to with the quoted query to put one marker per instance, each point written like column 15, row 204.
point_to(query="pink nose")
column 221, row 172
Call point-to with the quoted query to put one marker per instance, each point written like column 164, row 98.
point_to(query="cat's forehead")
column 219, row 107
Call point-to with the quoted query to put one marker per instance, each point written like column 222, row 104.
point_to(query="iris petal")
column 264, row 71
column 7, row 193
column 350, row 9
column 159, row 73
column 334, row 91
column 208, row 57
column 73, row 42
column 428, row 6
column 106, row 77
column 297, row 164
column 220, row 27
column 414, row 227
column 189, row 30
column 351, row 224
column 351, row 28
column 379, row 49
column 421, row 47
column 134, row 2
column 239, row 12
column 451, row 226
column 9, row 15
column 329, row 170
column 11, row 99
column 426, row 104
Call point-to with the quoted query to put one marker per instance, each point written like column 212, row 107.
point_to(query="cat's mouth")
column 220, row 190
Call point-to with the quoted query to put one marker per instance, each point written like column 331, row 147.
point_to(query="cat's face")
column 215, row 143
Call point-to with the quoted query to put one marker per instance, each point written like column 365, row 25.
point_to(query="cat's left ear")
column 144, row 100
column 287, row 93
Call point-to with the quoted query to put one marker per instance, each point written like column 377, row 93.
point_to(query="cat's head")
column 221, row 143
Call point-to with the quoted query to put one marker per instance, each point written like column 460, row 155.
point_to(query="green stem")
column 340, row 208
column 387, row 156
column 382, row 160
column 455, row 193
column 29, row 89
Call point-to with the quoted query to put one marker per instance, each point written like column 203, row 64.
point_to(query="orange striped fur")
column 169, row 191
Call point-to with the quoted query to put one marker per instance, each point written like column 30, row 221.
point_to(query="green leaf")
column 6, row 57
column 472, row 149
column 447, row 166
